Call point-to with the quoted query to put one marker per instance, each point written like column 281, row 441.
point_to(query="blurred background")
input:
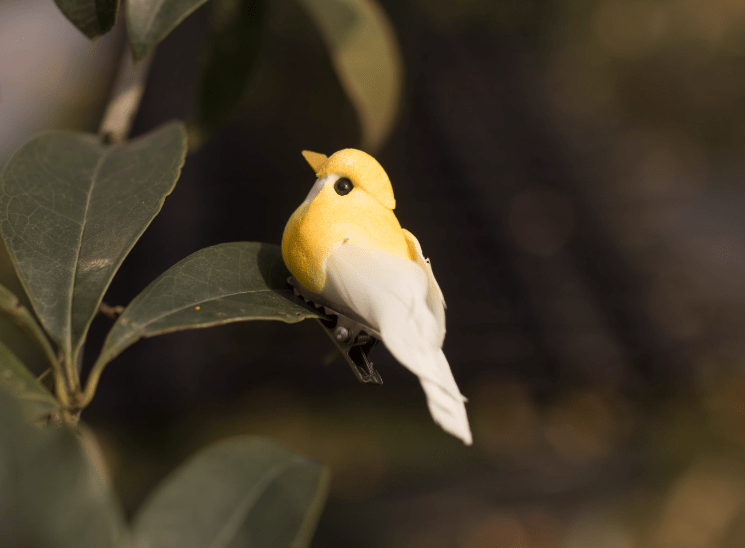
column 574, row 170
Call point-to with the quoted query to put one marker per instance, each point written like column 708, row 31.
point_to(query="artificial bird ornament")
column 348, row 253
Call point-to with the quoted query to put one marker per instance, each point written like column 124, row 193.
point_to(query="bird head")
column 359, row 168
column 350, row 202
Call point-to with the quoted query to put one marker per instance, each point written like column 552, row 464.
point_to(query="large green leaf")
column 229, row 57
column 217, row 285
column 71, row 208
column 149, row 21
column 51, row 494
column 242, row 492
column 37, row 401
column 366, row 56
column 92, row 17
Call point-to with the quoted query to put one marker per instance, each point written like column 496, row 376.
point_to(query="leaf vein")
column 68, row 319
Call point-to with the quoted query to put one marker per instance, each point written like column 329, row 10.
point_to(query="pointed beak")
column 315, row 159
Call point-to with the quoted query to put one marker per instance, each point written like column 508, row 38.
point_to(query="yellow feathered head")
column 357, row 166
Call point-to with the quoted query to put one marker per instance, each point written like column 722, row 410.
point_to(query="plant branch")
column 125, row 97
column 44, row 375
column 109, row 311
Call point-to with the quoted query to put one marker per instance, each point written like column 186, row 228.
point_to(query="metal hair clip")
column 354, row 339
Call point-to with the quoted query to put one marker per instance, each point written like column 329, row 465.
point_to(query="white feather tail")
column 391, row 294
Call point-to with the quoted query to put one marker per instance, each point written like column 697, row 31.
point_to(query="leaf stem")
column 66, row 379
column 92, row 382
column 125, row 97
column 64, row 385
column 61, row 390
column 23, row 318
column 44, row 375
column 71, row 376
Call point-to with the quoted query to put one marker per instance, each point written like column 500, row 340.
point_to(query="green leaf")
column 230, row 54
column 92, row 17
column 366, row 56
column 15, row 377
column 217, row 285
column 149, row 21
column 51, row 494
column 71, row 209
column 241, row 492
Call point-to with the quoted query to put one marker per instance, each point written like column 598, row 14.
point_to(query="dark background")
column 574, row 170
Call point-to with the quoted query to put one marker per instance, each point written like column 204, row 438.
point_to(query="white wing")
column 391, row 294
column 435, row 298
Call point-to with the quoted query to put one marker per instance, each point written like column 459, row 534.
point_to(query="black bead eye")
column 343, row 186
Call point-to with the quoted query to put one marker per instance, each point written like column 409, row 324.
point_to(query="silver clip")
column 351, row 336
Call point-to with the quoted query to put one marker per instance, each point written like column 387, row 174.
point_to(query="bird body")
column 345, row 243
column 325, row 220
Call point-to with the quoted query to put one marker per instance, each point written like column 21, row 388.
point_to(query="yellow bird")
column 345, row 244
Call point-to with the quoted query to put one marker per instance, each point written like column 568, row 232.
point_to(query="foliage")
column 68, row 234
column 72, row 206
column 364, row 54
column 51, row 493
column 225, row 495
column 92, row 17
column 358, row 35
column 241, row 491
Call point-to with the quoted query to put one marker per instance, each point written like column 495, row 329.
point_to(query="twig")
column 110, row 311
column 125, row 97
